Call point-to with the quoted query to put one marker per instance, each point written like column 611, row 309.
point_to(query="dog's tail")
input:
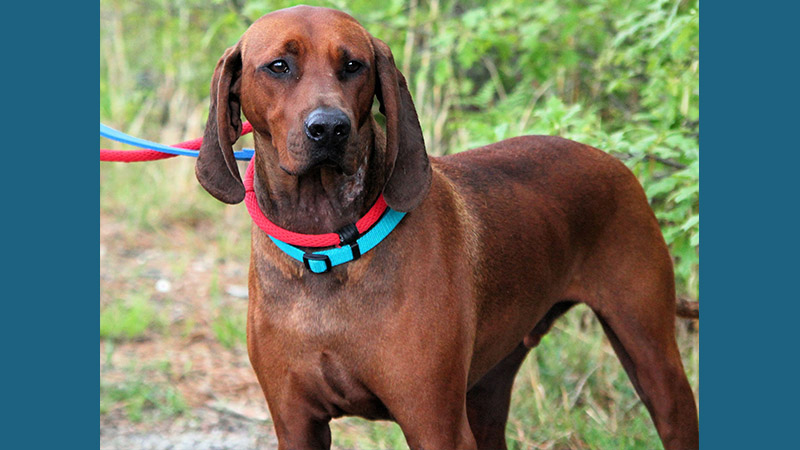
column 687, row 309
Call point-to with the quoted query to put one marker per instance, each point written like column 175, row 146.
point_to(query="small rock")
column 163, row 285
column 236, row 291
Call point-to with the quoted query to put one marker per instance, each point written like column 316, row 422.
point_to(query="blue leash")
column 115, row 135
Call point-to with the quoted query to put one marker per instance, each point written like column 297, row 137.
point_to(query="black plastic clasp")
column 308, row 257
column 348, row 235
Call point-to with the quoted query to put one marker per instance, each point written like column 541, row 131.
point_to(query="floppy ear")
column 407, row 162
column 216, row 167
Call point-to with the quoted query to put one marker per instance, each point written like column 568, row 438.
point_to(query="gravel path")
column 207, row 429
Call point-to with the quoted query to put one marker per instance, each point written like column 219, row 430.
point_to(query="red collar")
column 302, row 240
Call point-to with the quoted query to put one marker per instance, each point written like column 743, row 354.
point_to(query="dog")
column 430, row 326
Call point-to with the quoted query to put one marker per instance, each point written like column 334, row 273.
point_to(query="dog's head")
column 306, row 78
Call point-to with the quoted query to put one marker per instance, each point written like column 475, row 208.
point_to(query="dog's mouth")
column 302, row 156
column 319, row 163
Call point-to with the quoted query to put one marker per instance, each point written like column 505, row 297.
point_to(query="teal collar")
column 351, row 249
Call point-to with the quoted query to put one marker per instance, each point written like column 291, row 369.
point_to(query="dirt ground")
column 223, row 407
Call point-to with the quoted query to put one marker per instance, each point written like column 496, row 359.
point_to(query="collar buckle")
column 308, row 257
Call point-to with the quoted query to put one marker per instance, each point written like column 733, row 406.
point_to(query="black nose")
column 327, row 126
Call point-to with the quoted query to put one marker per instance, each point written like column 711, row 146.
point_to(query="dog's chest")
column 317, row 333
column 341, row 390
column 326, row 358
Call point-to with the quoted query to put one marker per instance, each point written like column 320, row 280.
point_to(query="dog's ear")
column 216, row 167
column 407, row 162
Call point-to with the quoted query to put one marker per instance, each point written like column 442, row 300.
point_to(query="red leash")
column 152, row 155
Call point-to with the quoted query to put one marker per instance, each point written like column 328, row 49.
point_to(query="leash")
column 154, row 151
column 349, row 242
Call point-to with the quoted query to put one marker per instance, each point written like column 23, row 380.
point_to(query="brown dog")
column 429, row 328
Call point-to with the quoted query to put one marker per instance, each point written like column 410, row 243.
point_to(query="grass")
column 140, row 397
column 229, row 328
column 229, row 322
column 149, row 209
column 131, row 318
column 572, row 392
column 358, row 433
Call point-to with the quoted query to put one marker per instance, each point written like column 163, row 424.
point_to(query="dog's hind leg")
column 654, row 366
column 488, row 400
column 630, row 286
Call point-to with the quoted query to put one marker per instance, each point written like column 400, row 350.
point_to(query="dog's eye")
column 352, row 66
column 279, row 66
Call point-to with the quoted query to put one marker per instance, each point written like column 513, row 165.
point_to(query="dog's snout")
column 327, row 126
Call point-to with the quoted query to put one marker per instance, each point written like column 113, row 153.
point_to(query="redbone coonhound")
column 430, row 327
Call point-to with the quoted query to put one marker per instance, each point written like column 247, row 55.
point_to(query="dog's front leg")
column 300, row 422
column 303, row 434
column 433, row 430
column 434, row 416
column 423, row 382
column 297, row 426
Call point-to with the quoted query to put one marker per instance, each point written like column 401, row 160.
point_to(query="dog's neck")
column 322, row 200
